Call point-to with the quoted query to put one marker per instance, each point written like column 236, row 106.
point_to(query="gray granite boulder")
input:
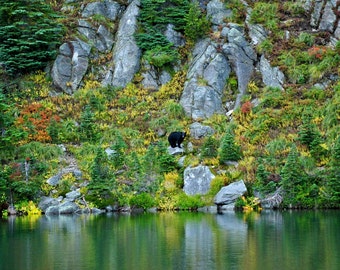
column 271, row 76
column 197, row 180
column 173, row 36
column 52, row 210
column 203, row 89
column 71, row 65
column 175, row 150
column 217, row 12
column 67, row 207
column 107, row 8
column 243, row 58
column 126, row 53
column 229, row 194
column 73, row 195
column 46, row 202
column 198, row 131
column 100, row 36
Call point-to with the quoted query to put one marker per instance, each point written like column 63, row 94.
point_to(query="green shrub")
column 142, row 200
column 306, row 38
column 295, row 8
column 216, row 184
column 265, row 14
column 186, row 202
column 161, row 56
column 266, row 46
column 174, row 109
column 25, row 190
column 272, row 98
column 197, row 24
column 239, row 10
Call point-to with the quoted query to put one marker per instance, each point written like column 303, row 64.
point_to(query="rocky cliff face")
column 111, row 51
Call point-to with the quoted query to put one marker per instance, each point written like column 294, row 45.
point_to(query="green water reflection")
column 270, row 240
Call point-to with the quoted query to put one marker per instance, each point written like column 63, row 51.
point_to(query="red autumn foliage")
column 317, row 52
column 246, row 107
column 35, row 119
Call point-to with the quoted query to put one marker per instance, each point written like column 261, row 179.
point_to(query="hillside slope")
column 254, row 84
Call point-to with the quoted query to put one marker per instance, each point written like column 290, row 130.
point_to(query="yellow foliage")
column 167, row 203
column 172, row 89
column 90, row 85
column 211, row 162
column 170, row 180
column 253, row 88
column 69, row 177
column 41, row 86
column 29, row 208
column 248, row 167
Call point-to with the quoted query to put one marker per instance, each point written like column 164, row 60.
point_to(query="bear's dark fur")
column 176, row 138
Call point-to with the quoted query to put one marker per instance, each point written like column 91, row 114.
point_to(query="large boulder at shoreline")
column 197, row 180
column 64, row 208
column 68, row 207
column 229, row 194
column 72, row 196
column 46, row 202
column 52, row 210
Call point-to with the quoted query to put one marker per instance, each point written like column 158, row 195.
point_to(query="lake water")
column 270, row 240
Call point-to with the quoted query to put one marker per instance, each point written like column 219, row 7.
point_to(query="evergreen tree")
column 157, row 160
column 311, row 137
column 88, row 129
column 209, row 148
column 293, row 176
column 149, row 161
column 308, row 132
column 99, row 169
column 334, row 178
column 261, row 183
column 9, row 133
column 102, row 181
column 29, row 35
column 229, row 151
column 154, row 17
column 197, row 24
column 53, row 131
column 119, row 147
column 166, row 162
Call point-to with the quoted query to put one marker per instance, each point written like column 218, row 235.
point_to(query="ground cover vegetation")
column 289, row 140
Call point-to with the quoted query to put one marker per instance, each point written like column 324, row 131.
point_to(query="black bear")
column 176, row 138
